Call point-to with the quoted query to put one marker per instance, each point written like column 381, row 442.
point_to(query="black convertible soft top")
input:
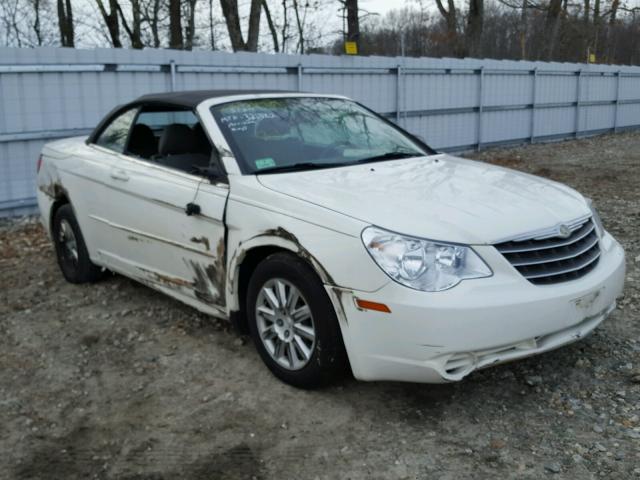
column 192, row 98
column 185, row 99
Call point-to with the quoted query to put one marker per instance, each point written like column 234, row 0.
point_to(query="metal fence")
column 455, row 104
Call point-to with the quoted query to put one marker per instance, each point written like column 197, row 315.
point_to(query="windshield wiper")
column 298, row 166
column 389, row 156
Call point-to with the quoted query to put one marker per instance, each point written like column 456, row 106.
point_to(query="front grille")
column 546, row 260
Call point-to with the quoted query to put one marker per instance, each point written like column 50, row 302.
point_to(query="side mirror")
column 214, row 171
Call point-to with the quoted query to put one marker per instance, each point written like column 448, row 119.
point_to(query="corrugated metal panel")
column 453, row 103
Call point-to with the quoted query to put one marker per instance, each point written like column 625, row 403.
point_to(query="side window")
column 114, row 137
column 170, row 137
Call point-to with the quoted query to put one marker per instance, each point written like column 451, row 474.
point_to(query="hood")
column 439, row 197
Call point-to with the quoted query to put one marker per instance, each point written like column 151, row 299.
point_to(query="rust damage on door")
column 209, row 280
column 202, row 240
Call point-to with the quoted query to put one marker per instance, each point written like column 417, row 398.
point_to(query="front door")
column 156, row 242
column 152, row 238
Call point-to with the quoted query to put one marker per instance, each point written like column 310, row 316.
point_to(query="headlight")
column 596, row 218
column 422, row 264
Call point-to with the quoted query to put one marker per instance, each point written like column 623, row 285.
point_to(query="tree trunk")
column 551, row 27
column 232, row 19
column 272, row 27
column 254, row 25
column 175, row 25
column 524, row 27
column 285, row 26
column 36, row 22
column 136, row 14
column 353, row 23
column 300, row 27
column 475, row 21
column 65, row 23
column 191, row 28
column 615, row 4
column 212, row 39
column 111, row 21
column 133, row 31
column 451, row 20
column 154, row 24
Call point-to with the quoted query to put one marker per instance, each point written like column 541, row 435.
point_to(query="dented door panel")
column 156, row 242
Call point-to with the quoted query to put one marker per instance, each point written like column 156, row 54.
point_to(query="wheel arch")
column 60, row 198
column 246, row 259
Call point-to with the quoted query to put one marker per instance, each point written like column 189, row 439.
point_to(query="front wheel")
column 293, row 323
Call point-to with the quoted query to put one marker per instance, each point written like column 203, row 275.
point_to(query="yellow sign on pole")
column 592, row 58
column 351, row 48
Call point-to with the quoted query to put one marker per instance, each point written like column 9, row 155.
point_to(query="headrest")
column 176, row 138
column 272, row 127
column 202, row 142
column 142, row 141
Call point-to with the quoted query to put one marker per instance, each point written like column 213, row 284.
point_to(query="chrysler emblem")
column 564, row 231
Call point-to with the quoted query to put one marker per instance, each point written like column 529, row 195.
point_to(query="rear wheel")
column 73, row 257
column 293, row 323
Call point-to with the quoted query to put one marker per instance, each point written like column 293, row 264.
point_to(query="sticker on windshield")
column 265, row 163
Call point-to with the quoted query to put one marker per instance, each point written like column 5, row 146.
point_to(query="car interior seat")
column 178, row 149
column 142, row 141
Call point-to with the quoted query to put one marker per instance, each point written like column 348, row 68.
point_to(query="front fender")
column 338, row 257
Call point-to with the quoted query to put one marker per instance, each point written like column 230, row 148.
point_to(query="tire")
column 326, row 359
column 71, row 250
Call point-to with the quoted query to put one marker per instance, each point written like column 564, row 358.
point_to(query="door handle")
column 119, row 175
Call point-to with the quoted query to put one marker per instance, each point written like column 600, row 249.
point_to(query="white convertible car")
column 331, row 235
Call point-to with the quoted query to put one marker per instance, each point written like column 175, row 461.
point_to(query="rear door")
column 152, row 238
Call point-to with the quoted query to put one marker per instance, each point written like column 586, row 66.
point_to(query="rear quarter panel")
column 63, row 174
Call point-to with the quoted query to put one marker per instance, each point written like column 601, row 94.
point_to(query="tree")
column 473, row 33
column 232, row 18
column 451, row 19
column 37, row 27
column 111, row 21
column 551, row 27
column 191, row 23
column 175, row 25
column 353, row 24
column 300, row 24
column 150, row 14
column 134, row 31
column 65, row 23
column 271, row 25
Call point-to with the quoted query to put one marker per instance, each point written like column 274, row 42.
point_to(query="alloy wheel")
column 285, row 324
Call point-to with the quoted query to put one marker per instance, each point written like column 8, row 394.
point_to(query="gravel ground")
column 116, row 381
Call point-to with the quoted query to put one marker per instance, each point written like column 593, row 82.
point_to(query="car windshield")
column 303, row 133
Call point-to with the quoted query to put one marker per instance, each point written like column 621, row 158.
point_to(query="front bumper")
column 443, row 336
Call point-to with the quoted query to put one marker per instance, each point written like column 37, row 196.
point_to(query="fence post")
column 534, row 99
column 578, row 97
column 299, row 69
column 615, row 115
column 480, row 107
column 398, row 93
column 172, row 70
